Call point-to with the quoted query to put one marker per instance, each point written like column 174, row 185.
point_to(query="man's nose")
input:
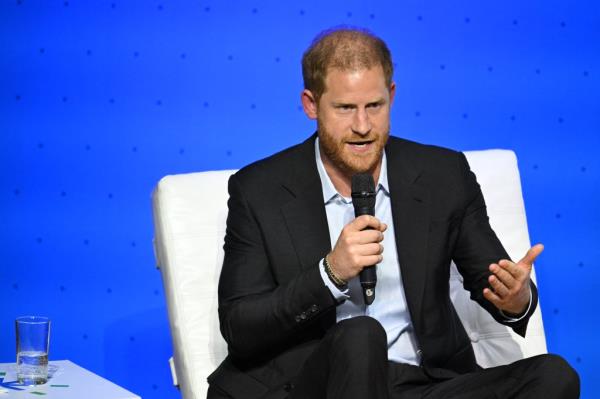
column 361, row 123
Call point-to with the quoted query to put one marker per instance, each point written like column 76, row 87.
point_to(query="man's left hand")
column 510, row 283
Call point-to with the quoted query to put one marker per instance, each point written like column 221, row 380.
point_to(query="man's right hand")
column 356, row 247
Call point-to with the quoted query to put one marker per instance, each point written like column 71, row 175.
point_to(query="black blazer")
column 273, row 305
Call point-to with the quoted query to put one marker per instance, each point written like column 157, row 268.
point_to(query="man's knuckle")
column 517, row 288
column 520, row 285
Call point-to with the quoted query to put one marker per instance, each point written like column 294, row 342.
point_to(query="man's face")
column 353, row 119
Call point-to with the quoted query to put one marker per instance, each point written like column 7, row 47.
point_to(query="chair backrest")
column 189, row 217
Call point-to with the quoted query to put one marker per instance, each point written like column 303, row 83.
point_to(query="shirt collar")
column 329, row 191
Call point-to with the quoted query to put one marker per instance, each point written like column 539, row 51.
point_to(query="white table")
column 67, row 381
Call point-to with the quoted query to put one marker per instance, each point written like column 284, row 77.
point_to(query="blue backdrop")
column 100, row 99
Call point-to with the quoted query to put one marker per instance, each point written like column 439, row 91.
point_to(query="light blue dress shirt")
column 389, row 307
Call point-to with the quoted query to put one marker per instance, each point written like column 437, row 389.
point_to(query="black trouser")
column 351, row 362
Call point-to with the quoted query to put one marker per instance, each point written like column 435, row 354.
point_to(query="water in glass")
column 32, row 367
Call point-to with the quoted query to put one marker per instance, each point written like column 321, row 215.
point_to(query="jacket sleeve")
column 258, row 315
column 478, row 246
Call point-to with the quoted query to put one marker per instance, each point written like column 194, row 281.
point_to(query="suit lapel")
column 304, row 214
column 410, row 212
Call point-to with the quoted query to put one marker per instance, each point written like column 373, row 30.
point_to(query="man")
column 290, row 305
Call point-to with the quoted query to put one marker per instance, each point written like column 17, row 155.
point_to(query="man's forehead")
column 354, row 80
column 352, row 70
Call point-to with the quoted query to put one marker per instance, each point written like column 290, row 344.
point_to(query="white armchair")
column 189, row 218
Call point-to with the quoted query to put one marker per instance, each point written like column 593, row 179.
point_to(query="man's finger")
column 366, row 237
column 493, row 298
column 512, row 268
column 503, row 275
column 370, row 249
column 533, row 253
column 499, row 289
column 366, row 221
column 372, row 260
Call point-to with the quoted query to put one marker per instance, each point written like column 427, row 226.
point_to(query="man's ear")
column 392, row 92
column 309, row 103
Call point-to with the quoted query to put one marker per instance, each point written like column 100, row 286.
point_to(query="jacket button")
column 288, row 386
column 303, row 316
column 419, row 352
column 298, row 319
column 313, row 309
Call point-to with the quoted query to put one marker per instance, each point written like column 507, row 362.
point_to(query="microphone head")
column 363, row 191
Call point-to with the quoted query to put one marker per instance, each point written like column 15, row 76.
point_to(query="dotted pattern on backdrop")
column 100, row 100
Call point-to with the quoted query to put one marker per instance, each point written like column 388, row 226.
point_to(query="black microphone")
column 363, row 199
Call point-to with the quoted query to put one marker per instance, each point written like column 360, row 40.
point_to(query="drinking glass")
column 33, row 339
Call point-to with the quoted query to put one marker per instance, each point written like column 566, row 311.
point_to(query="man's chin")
column 353, row 168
